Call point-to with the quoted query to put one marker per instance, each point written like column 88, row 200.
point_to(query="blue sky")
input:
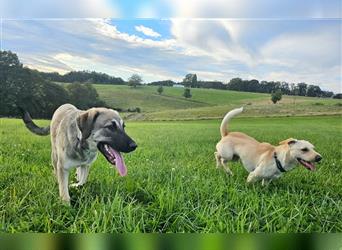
column 286, row 41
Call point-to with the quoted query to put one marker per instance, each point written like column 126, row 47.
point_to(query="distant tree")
column 84, row 96
column 285, row 88
column 276, row 96
column 253, row 85
column 327, row 93
column 337, row 96
column 169, row 83
column 83, row 77
column 134, row 80
column 302, row 88
column 211, row 84
column 190, row 80
column 314, row 91
column 160, row 89
column 54, row 96
column 187, row 93
column 235, row 84
column 28, row 89
column 19, row 86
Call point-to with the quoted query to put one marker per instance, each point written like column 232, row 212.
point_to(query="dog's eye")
column 305, row 150
column 112, row 126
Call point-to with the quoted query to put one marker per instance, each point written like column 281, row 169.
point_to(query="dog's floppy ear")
column 85, row 122
column 289, row 141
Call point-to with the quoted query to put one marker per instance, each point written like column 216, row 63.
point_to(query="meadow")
column 209, row 103
column 172, row 183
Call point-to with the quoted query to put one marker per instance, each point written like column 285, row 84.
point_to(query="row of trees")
column 26, row 88
column 191, row 81
column 83, row 77
column 238, row 84
column 300, row 89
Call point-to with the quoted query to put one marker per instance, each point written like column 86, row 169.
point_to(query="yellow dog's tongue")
column 308, row 165
column 119, row 162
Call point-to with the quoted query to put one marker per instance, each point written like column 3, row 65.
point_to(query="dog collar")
column 278, row 163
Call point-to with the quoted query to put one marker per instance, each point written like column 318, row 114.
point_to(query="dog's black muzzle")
column 132, row 146
column 123, row 143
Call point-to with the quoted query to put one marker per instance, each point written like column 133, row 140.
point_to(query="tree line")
column 299, row 89
column 28, row 89
column 191, row 81
column 238, row 84
column 38, row 93
column 83, row 77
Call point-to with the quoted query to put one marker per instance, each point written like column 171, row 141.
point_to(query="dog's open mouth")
column 308, row 165
column 114, row 157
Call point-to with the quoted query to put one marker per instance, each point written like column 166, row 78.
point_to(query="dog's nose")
column 133, row 145
column 318, row 158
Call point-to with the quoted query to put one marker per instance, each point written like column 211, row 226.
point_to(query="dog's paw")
column 66, row 202
column 230, row 173
column 75, row 185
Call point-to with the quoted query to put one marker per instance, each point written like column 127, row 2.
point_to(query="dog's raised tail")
column 32, row 126
column 227, row 118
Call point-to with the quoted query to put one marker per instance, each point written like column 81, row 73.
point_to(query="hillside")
column 147, row 98
column 208, row 103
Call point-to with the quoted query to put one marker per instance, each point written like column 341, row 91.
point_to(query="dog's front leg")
column 265, row 182
column 82, row 173
column 252, row 177
column 63, row 179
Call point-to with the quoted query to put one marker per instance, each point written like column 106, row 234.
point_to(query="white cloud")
column 214, row 49
column 58, row 9
column 147, row 31
column 255, row 8
column 318, row 49
column 78, row 62
column 105, row 28
column 212, row 38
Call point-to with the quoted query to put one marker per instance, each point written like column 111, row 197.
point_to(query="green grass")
column 149, row 100
column 172, row 184
column 208, row 103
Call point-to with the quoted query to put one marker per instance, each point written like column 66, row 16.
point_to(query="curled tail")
column 227, row 118
column 32, row 126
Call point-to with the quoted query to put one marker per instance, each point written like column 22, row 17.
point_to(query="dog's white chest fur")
column 71, row 163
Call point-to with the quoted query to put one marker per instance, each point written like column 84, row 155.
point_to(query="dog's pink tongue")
column 120, row 164
column 309, row 165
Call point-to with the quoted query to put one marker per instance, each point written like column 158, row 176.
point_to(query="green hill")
column 147, row 98
column 208, row 103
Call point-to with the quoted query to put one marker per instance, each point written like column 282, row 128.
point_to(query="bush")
column 187, row 93
column 84, row 96
column 276, row 96
column 160, row 89
column 137, row 109
column 23, row 87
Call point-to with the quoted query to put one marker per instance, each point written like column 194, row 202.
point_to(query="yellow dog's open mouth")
column 308, row 165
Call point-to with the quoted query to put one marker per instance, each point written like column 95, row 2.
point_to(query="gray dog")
column 76, row 135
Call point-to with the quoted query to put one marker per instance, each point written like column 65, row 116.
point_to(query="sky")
column 292, row 41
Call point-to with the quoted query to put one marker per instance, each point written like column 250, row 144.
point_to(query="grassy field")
column 172, row 184
column 208, row 103
column 149, row 100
